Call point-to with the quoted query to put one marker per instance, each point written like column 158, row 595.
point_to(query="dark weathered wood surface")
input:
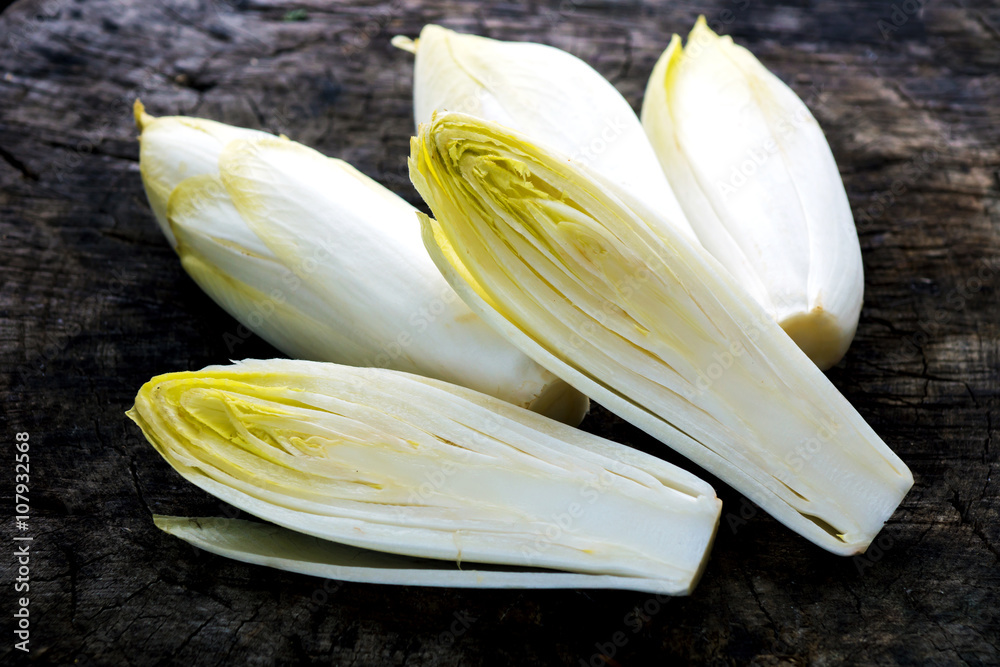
column 94, row 303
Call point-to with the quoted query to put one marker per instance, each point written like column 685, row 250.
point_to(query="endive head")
column 267, row 237
column 545, row 93
column 759, row 184
column 172, row 148
column 323, row 262
column 241, row 274
column 334, row 269
column 398, row 463
column 650, row 325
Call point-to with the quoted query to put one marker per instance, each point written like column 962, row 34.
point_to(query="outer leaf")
column 273, row 546
column 172, row 148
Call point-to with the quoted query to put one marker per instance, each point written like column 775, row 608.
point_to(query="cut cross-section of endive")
column 543, row 92
column 760, row 187
column 323, row 262
column 566, row 266
column 398, row 463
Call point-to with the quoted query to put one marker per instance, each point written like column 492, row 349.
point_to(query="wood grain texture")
column 94, row 303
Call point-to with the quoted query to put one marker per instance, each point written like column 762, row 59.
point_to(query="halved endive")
column 570, row 269
column 323, row 262
column 546, row 93
column 391, row 462
column 757, row 180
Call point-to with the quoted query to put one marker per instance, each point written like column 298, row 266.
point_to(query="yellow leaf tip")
column 404, row 43
column 142, row 119
column 701, row 30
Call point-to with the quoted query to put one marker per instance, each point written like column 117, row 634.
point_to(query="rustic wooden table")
column 94, row 303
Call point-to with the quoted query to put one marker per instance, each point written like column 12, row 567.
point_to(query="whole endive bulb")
column 545, row 93
column 391, row 462
column 567, row 267
column 323, row 262
column 757, row 180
